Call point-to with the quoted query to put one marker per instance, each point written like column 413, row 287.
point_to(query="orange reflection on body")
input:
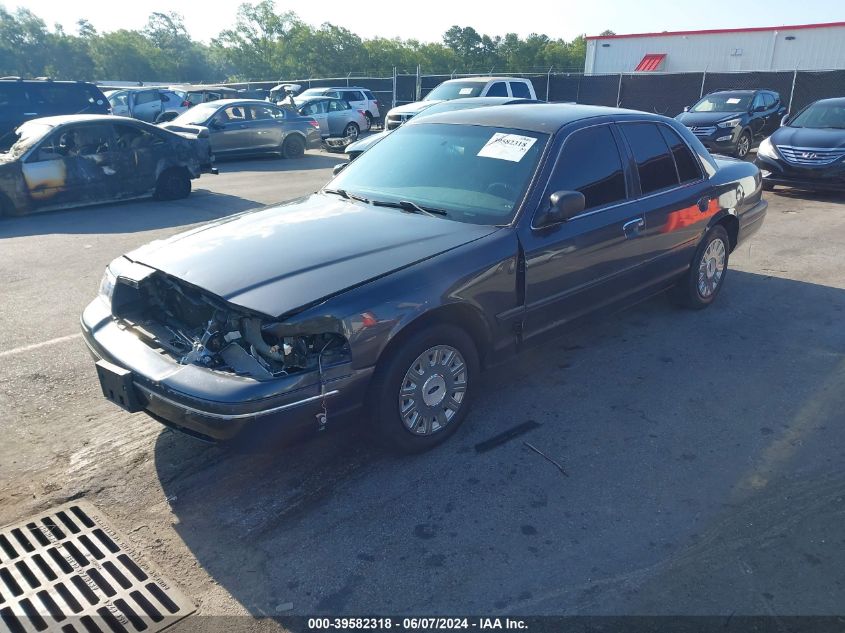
column 688, row 216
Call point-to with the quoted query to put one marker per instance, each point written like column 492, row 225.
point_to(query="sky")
column 426, row 21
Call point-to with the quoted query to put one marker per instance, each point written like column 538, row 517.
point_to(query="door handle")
column 633, row 227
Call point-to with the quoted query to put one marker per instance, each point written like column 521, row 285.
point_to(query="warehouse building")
column 798, row 47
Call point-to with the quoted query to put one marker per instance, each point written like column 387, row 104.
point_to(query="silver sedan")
column 337, row 119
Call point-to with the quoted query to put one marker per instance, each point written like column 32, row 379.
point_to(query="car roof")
column 531, row 117
column 336, row 88
column 743, row 91
column 839, row 101
column 485, row 79
column 62, row 119
column 222, row 102
column 308, row 98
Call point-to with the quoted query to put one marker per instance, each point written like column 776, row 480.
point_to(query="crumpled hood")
column 706, row 118
column 282, row 258
column 413, row 108
column 809, row 137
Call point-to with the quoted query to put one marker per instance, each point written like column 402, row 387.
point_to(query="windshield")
column 475, row 174
column 28, row 135
column 821, row 115
column 197, row 115
column 456, row 90
column 723, row 102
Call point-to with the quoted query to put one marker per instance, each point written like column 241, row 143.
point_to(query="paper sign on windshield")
column 466, row 91
column 510, row 147
column 733, row 100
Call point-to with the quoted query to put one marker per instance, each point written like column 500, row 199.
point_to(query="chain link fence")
column 662, row 93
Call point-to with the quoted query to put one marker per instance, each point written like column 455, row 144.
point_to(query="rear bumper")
column 751, row 221
column 825, row 177
column 215, row 406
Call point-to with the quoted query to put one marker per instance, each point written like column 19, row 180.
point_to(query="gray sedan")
column 250, row 126
column 337, row 119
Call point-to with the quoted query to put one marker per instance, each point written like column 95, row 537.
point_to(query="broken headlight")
column 109, row 279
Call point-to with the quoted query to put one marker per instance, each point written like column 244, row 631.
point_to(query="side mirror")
column 686, row 108
column 564, row 206
column 339, row 168
column 784, row 121
column 759, row 108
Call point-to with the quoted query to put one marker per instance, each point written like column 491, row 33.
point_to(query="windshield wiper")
column 413, row 207
column 343, row 193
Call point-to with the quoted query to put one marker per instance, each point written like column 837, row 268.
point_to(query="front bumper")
column 720, row 141
column 824, row 177
column 217, row 406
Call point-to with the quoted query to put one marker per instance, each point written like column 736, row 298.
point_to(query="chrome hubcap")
column 743, row 146
column 711, row 269
column 433, row 390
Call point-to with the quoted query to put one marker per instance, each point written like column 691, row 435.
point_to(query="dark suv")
column 734, row 121
column 25, row 99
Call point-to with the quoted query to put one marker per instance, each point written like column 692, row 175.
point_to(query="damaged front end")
column 197, row 328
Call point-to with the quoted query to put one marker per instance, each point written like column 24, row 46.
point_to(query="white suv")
column 359, row 98
column 514, row 87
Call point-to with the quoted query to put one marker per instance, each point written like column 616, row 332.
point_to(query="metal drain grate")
column 69, row 571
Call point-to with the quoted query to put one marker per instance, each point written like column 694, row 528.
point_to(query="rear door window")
column 520, row 90
column 12, row 96
column 61, row 98
column 655, row 166
column 591, row 163
column 498, row 89
column 689, row 169
column 146, row 96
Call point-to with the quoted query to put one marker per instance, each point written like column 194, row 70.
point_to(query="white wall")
column 812, row 49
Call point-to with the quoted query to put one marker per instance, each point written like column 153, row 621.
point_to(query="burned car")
column 386, row 292
column 69, row 161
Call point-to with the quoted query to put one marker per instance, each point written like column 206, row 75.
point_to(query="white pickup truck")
column 515, row 87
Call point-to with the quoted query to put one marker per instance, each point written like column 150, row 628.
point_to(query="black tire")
column 293, row 147
column 688, row 291
column 351, row 130
column 767, row 186
column 7, row 209
column 173, row 184
column 383, row 400
column 370, row 121
column 743, row 145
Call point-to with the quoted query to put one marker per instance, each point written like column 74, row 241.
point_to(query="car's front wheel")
column 743, row 145
column 420, row 393
column 706, row 275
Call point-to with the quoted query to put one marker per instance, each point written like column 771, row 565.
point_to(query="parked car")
column 387, row 291
column 357, row 97
column 464, row 88
column 340, row 123
column 204, row 94
column 250, row 126
column 25, row 99
column 69, row 161
column 354, row 150
column 734, row 121
column 154, row 105
column 808, row 151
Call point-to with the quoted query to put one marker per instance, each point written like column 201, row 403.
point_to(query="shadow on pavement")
column 128, row 217
column 311, row 160
column 703, row 453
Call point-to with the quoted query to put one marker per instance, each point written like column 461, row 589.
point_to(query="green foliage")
column 261, row 45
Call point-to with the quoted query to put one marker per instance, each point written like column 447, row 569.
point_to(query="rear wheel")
column 421, row 391
column 743, row 145
column 351, row 132
column 369, row 121
column 706, row 275
column 293, row 147
column 767, row 186
column 173, row 184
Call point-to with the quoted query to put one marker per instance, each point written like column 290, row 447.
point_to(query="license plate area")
column 118, row 386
